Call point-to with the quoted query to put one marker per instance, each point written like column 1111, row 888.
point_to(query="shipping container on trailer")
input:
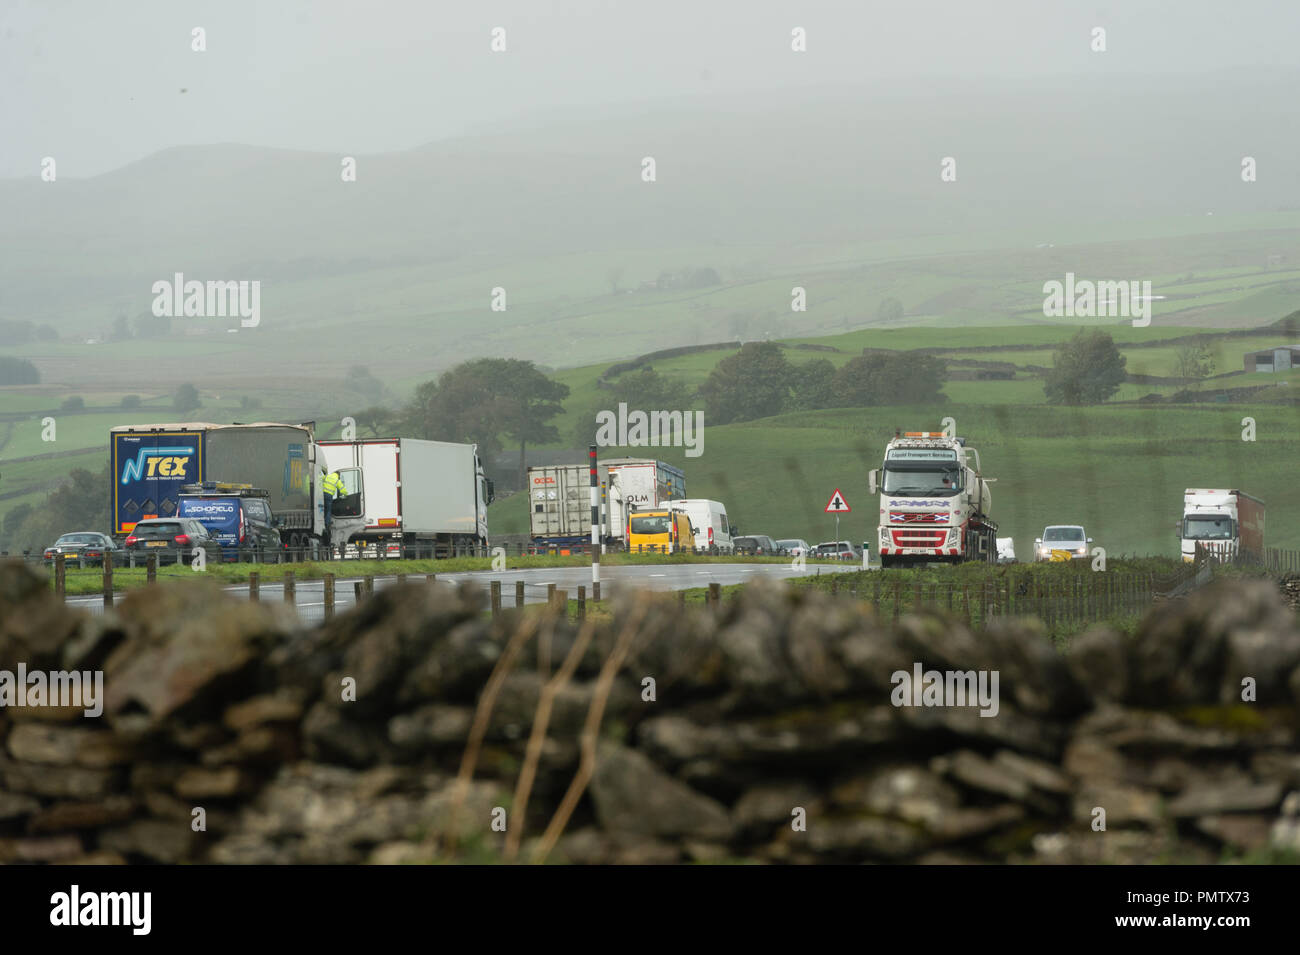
column 559, row 498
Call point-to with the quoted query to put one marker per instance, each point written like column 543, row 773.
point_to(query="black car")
column 173, row 539
column 89, row 547
column 759, row 544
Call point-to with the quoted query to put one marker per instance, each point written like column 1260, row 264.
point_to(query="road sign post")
column 837, row 506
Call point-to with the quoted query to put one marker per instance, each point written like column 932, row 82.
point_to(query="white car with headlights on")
column 1062, row 542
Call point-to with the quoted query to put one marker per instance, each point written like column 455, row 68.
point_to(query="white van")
column 709, row 518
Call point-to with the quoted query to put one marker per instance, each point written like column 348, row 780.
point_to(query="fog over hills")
column 760, row 175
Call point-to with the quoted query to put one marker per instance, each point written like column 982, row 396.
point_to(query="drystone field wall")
column 416, row 728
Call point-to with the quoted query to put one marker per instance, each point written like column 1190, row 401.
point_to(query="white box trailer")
column 559, row 498
column 417, row 492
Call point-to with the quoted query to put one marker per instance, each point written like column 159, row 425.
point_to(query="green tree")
column 889, row 378
column 79, row 504
column 814, row 385
column 376, row 419
column 13, row 521
column 185, row 398
column 121, row 330
column 752, row 383
column 130, row 401
column 485, row 401
column 150, row 326
column 642, row 390
column 890, row 310
column 360, row 379
column 1086, row 370
column 73, row 403
column 18, row 371
column 1194, row 362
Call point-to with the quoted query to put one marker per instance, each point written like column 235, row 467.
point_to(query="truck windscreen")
column 1208, row 528
column 924, row 480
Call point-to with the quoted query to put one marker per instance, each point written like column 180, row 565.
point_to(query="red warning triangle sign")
column 837, row 504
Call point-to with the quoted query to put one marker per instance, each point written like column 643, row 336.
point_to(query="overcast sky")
column 98, row 85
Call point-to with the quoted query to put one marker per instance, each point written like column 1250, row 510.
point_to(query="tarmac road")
column 309, row 595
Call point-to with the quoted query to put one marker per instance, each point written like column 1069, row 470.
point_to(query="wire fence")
column 1062, row 602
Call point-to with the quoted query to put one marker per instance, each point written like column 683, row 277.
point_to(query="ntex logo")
column 157, row 462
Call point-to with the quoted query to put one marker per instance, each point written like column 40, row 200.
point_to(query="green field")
column 1118, row 470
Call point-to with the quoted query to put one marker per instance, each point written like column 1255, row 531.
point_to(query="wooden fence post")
column 108, row 583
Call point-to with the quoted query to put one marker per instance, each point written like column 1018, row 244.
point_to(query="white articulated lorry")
column 934, row 503
column 1225, row 523
column 421, row 497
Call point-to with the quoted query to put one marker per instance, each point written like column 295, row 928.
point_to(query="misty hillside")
column 746, row 185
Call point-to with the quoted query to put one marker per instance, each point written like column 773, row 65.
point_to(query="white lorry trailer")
column 934, row 503
column 1225, row 523
column 559, row 498
column 421, row 497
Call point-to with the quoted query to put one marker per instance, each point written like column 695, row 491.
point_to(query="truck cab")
column 1223, row 523
column 934, row 503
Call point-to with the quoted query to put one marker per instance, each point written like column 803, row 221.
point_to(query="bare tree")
column 1193, row 362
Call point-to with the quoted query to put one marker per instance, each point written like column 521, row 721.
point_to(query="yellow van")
column 659, row 532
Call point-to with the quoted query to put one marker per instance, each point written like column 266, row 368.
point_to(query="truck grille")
column 920, row 537
column 918, row 517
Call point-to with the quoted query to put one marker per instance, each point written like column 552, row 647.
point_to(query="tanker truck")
column 935, row 505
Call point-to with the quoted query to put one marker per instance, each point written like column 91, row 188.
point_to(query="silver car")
column 1062, row 539
column 793, row 547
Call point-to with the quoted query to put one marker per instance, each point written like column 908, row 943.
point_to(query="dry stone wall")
column 772, row 735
